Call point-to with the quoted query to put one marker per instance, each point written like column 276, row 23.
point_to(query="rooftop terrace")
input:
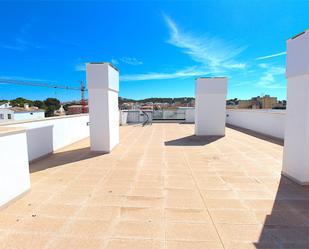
column 161, row 187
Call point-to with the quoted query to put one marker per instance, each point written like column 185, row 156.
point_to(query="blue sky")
column 160, row 47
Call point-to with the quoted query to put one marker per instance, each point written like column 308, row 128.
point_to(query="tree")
column 52, row 104
column 21, row 101
column 40, row 104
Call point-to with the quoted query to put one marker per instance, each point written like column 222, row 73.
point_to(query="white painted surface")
column 296, row 140
column 210, row 102
column 297, row 62
column 46, row 136
column 5, row 105
column 189, row 114
column 103, row 86
column 19, row 116
column 136, row 116
column 268, row 122
column 4, row 115
column 123, row 117
column 14, row 166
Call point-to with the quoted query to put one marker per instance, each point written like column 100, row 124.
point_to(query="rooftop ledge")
column 108, row 63
column 41, row 119
column 266, row 111
column 10, row 130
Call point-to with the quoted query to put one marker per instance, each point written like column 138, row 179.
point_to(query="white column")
column 296, row 139
column 103, row 87
column 210, row 106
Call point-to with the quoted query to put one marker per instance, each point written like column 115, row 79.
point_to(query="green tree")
column 21, row 101
column 52, row 104
column 40, row 104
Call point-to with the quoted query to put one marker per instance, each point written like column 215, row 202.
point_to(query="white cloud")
column 21, row 43
column 189, row 72
column 236, row 65
column 114, row 61
column 211, row 54
column 209, row 51
column 131, row 61
column 269, row 79
column 19, row 78
column 270, row 56
column 80, row 67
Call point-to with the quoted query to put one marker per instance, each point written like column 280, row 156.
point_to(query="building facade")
column 265, row 102
column 76, row 109
column 9, row 113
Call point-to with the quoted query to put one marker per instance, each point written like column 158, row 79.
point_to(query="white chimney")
column 103, row 87
column 296, row 137
column 210, row 106
column 26, row 106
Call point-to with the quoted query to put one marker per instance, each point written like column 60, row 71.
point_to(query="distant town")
column 24, row 109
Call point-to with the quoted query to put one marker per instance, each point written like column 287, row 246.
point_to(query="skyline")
column 159, row 47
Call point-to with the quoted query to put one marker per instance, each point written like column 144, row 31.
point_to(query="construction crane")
column 82, row 88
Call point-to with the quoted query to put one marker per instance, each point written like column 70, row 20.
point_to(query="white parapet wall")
column 268, row 122
column 50, row 134
column 14, row 165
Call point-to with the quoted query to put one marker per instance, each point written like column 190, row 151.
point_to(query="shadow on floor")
column 192, row 141
column 61, row 158
column 287, row 223
column 257, row 135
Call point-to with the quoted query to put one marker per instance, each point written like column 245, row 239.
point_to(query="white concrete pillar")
column 296, row 138
column 210, row 106
column 103, row 87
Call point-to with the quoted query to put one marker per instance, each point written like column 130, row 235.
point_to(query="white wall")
column 210, row 115
column 50, row 134
column 113, row 117
column 268, row 122
column 5, row 112
column 14, row 166
column 136, row 116
column 103, row 87
column 18, row 116
column 210, row 106
column 296, row 141
column 189, row 114
column 123, row 117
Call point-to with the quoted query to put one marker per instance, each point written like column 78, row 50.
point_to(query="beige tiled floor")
column 161, row 188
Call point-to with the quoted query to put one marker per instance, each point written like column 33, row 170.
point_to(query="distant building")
column 5, row 105
column 9, row 113
column 76, row 109
column 146, row 107
column 244, row 104
column 127, row 106
column 265, row 102
column 268, row 102
column 60, row 111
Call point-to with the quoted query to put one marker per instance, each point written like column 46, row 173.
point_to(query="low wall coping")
column 267, row 111
column 42, row 119
column 5, row 131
